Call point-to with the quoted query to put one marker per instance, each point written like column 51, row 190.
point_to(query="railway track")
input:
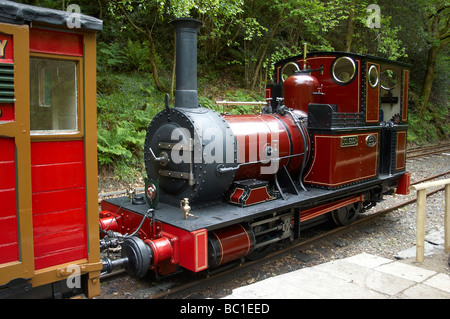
column 179, row 285
column 428, row 150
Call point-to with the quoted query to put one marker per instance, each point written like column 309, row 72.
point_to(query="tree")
column 141, row 16
column 436, row 24
column 144, row 17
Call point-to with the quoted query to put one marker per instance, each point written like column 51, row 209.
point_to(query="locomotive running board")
column 218, row 216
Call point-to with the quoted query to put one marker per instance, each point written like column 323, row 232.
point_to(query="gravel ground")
column 389, row 236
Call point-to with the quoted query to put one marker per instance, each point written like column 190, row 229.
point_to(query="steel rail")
column 426, row 148
column 428, row 153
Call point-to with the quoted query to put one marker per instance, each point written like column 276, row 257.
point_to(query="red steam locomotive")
column 329, row 143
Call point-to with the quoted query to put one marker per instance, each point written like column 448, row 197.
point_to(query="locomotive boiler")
column 219, row 188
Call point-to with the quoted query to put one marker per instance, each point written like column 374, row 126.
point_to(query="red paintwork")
column 334, row 165
column 59, row 202
column 9, row 245
column 400, row 158
column 165, row 253
column 234, row 198
column 298, row 91
column 372, row 98
column 323, row 209
column 8, row 56
column 268, row 93
column 234, row 241
column 254, row 133
column 192, row 248
column 109, row 221
column 7, row 111
column 255, row 196
column 403, row 184
column 347, row 97
column 56, row 42
column 126, row 221
column 171, row 246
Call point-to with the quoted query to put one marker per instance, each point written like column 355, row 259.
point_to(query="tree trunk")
column 266, row 46
column 441, row 36
column 350, row 31
column 153, row 62
column 429, row 77
column 152, row 49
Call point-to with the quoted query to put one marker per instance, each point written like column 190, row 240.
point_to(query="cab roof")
column 17, row 13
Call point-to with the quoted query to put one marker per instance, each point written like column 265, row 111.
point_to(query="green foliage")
column 134, row 56
column 109, row 56
column 137, row 55
column 433, row 127
column 123, row 117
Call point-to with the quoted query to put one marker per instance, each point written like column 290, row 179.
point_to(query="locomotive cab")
column 361, row 118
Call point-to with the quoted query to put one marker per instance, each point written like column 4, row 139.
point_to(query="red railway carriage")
column 48, row 163
column 330, row 142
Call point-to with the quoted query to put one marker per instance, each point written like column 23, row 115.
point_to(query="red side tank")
column 298, row 91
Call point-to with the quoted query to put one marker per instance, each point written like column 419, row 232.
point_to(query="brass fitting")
column 184, row 206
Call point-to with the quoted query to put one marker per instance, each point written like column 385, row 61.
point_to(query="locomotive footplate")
column 219, row 216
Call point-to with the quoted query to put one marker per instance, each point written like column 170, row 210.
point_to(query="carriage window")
column 343, row 70
column 388, row 79
column 288, row 69
column 373, row 76
column 53, row 96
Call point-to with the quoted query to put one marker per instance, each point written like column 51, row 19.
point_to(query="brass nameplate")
column 349, row 141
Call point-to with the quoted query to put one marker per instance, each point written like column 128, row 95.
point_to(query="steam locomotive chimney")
column 186, row 62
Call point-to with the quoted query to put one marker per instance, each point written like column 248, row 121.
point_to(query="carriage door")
column 16, row 232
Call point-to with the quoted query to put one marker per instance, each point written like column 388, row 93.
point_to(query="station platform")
column 363, row 276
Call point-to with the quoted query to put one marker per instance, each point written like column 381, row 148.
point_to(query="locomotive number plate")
column 349, row 141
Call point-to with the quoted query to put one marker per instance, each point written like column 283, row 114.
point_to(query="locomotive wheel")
column 260, row 253
column 346, row 215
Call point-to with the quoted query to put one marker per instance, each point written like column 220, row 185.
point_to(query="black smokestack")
column 186, row 63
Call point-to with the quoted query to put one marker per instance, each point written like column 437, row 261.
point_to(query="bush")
column 123, row 117
column 433, row 127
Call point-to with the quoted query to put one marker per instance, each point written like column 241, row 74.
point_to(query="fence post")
column 420, row 234
column 447, row 219
column 421, row 203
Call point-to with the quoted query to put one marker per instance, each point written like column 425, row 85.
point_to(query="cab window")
column 53, row 96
